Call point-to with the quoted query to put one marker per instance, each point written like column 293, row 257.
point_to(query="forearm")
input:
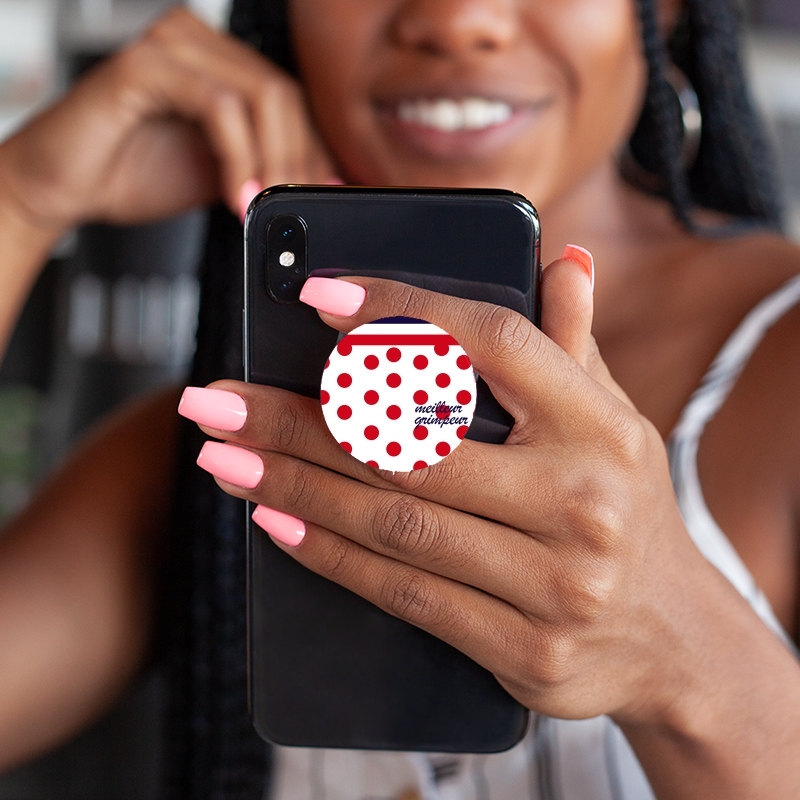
column 77, row 579
column 733, row 730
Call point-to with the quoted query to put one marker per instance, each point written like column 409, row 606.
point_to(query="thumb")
column 567, row 310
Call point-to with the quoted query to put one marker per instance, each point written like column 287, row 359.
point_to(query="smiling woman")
column 646, row 631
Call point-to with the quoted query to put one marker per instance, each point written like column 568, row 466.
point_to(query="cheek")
column 332, row 44
column 610, row 71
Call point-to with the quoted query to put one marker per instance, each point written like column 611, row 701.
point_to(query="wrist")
column 25, row 244
column 724, row 718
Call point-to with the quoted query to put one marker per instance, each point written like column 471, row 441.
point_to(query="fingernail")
column 232, row 464
column 334, row 180
column 250, row 188
column 283, row 527
column 580, row 255
column 216, row 408
column 334, row 296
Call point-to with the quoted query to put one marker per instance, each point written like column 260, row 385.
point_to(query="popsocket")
column 398, row 395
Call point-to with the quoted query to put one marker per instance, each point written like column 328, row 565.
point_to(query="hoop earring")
column 691, row 120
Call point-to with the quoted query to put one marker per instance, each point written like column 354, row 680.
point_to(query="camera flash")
column 286, row 258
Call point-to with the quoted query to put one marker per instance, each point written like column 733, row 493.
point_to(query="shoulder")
column 749, row 458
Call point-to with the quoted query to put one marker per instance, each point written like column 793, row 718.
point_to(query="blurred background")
column 114, row 314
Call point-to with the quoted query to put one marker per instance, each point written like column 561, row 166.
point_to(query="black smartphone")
column 327, row 668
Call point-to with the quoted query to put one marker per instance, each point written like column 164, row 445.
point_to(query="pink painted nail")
column 232, row 464
column 216, row 408
column 334, row 296
column 249, row 190
column 283, row 527
column 580, row 255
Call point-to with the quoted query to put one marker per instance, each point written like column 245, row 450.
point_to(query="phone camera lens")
column 286, row 257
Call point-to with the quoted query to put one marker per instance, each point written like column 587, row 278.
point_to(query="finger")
column 567, row 302
column 155, row 85
column 531, row 489
column 531, row 377
column 288, row 147
column 488, row 630
column 503, row 562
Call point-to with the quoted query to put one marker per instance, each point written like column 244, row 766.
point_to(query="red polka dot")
column 371, row 432
column 420, row 465
column 393, row 412
column 393, row 354
column 346, row 446
column 442, row 449
column 393, row 380
column 420, row 432
column 373, row 464
column 344, row 380
column 463, row 362
column 442, row 380
column 441, row 349
column 327, row 363
column 420, row 362
column 344, row 348
column 462, row 431
column 371, row 397
column 420, row 397
column 464, row 397
column 323, row 397
column 442, row 411
column 393, row 449
column 371, row 362
column 344, row 412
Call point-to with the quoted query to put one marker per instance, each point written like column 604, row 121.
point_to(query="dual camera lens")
column 287, row 241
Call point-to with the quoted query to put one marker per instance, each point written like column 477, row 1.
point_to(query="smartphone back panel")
column 327, row 668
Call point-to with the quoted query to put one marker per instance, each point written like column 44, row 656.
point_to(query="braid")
column 733, row 172
column 265, row 25
column 656, row 143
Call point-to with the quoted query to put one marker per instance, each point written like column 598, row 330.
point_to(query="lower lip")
column 460, row 145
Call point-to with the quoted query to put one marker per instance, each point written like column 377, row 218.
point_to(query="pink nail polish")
column 216, row 408
column 283, row 527
column 580, row 255
column 232, row 464
column 334, row 296
column 249, row 190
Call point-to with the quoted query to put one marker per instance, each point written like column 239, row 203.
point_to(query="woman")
column 581, row 583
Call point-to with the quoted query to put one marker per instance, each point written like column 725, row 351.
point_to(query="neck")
column 610, row 218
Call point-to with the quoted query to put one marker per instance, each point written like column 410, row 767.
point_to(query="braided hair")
column 211, row 748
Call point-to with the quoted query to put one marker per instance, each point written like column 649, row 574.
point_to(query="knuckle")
column 551, row 665
column 507, row 334
column 412, row 598
column 406, row 525
column 588, row 592
column 300, row 489
column 288, row 427
column 627, row 438
column 334, row 559
column 406, row 298
column 594, row 514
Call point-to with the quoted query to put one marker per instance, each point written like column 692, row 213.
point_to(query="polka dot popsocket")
column 398, row 395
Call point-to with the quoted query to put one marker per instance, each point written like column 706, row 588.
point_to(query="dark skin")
column 597, row 606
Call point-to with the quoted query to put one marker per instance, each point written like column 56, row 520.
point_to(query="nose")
column 450, row 27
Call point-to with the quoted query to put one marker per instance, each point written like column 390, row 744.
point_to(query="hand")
column 551, row 559
column 179, row 118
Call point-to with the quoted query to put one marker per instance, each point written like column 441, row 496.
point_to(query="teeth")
column 448, row 115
